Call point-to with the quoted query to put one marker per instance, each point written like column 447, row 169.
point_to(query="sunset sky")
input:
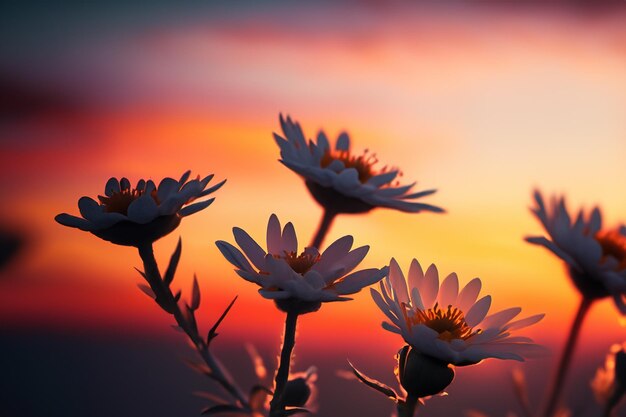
column 483, row 103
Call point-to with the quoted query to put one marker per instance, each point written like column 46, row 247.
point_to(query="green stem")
column 282, row 375
column 408, row 407
column 168, row 302
column 323, row 228
column 566, row 357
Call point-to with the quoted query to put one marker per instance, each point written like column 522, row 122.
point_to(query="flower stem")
column 168, row 302
column 408, row 407
column 566, row 357
column 323, row 228
column 282, row 375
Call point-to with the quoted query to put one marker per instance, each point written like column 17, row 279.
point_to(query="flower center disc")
column 362, row 163
column 119, row 202
column 300, row 264
column 613, row 244
column 449, row 323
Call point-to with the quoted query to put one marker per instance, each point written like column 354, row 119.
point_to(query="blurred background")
column 484, row 102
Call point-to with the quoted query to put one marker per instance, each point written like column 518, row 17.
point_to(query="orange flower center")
column 363, row 163
column 299, row 263
column 613, row 244
column 449, row 323
column 119, row 202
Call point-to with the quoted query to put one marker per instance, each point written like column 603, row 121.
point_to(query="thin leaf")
column 177, row 295
column 213, row 332
column 209, row 396
column 259, row 366
column 171, row 268
column 143, row 274
column 372, row 383
column 146, row 290
column 195, row 294
column 198, row 367
column 221, row 408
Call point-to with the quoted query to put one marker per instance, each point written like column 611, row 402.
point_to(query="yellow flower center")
column 363, row 163
column 449, row 323
column 613, row 244
column 119, row 202
column 299, row 263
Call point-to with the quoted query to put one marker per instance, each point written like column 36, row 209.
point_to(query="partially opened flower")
column 446, row 324
column 341, row 181
column 595, row 257
column 306, row 279
column 609, row 383
column 141, row 215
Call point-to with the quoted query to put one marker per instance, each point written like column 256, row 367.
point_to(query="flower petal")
column 143, row 210
column 233, row 255
column 430, row 286
column 449, row 291
column 477, row 313
column 250, row 248
column 356, row 281
column 289, row 239
column 274, row 238
column 194, row 208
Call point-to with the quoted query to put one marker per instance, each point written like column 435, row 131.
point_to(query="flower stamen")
column 118, row 202
column 449, row 323
column 299, row 263
column 613, row 244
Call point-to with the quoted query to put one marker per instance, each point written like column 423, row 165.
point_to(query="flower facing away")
column 609, row 383
column 306, row 279
column 341, row 181
column 595, row 257
column 446, row 324
column 141, row 215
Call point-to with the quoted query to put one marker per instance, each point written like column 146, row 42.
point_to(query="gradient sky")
column 483, row 103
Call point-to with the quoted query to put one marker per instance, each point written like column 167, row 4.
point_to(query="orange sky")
column 484, row 106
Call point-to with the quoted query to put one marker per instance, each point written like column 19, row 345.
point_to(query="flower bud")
column 299, row 389
column 422, row 375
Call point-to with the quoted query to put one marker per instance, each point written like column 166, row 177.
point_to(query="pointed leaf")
column 213, row 332
column 171, row 268
column 195, row 294
column 372, row 383
column 147, row 290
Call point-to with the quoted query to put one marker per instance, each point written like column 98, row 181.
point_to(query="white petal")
column 252, row 250
column 416, row 275
column 143, row 210
column 401, row 293
column 500, row 318
column 112, row 187
column 430, row 286
column 343, row 142
column 449, row 291
column 167, row 187
column 469, row 294
column 356, row 281
column 274, row 241
column 334, row 254
column 233, row 255
column 194, row 208
column 89, row 208
column 477, row 313
column 73, row 221
column 124, row 184
column 520, row 324
column 289, row 239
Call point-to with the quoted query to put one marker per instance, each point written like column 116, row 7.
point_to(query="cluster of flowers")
column 443, row 324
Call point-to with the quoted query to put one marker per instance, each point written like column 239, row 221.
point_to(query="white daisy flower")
column 140, row 215
column 595, row 257
column 448, row 324
column 341, row 181
column 309, row 277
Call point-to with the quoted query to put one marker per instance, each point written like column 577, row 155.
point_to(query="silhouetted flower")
column 300, row 390
column 596, row 258
column 448, row 324
column 135, row 216
column 341, row 181
column 309, row 277
column 609, row 383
